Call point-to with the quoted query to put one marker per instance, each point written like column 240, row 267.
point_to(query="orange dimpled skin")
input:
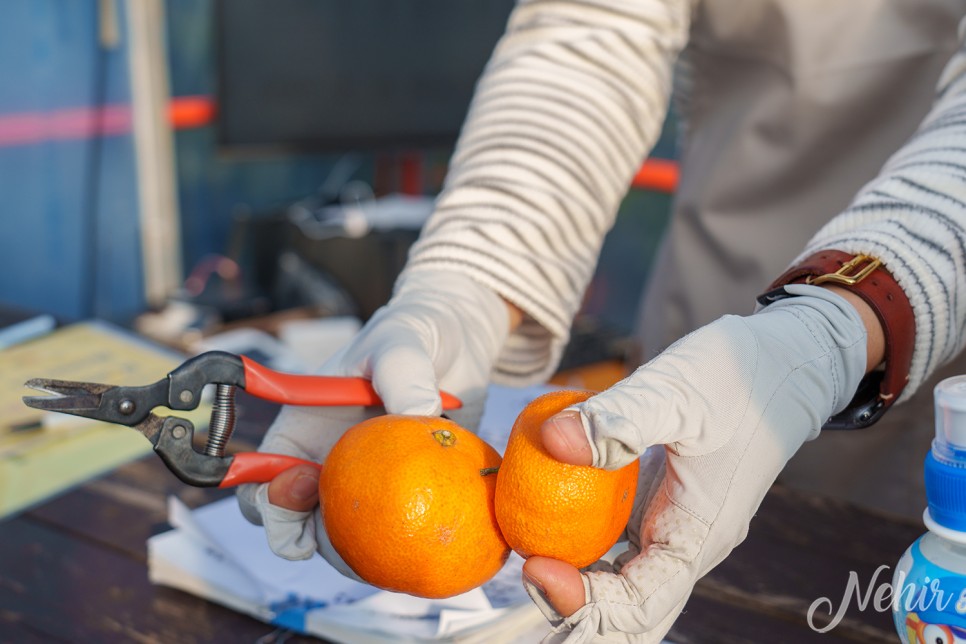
column 407, row 501
column 544, row 507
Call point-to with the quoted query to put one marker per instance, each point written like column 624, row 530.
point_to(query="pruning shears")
column 181, row 389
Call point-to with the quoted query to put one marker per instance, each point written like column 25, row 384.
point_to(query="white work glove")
column 730, row 404
column 440, row 331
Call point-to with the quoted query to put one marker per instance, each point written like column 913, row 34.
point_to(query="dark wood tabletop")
column 74, row 568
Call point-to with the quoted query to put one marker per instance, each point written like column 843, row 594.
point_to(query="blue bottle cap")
column 946, row 493
column 945, row 469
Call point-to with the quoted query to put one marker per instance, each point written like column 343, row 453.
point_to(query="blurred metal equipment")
column 362, row 243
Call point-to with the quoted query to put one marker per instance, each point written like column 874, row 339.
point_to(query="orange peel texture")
column 544, row 507
column 408, row 502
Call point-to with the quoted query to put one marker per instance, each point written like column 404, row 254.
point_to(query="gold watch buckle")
column 852, row 272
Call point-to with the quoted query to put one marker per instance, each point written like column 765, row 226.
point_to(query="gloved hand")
column 730, row 404
column 439, row 331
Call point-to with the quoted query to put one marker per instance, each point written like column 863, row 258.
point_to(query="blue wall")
column 59, row 254
column 59, row 250
column 69, row 234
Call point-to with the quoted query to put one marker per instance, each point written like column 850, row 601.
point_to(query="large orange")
column 407, row 502
column 552, row 509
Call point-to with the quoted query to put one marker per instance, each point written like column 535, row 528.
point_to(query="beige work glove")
column 439, row 331
column 727, row 405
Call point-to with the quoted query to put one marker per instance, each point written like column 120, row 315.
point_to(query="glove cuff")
column 867, row 278
column 462, row 294
column 487, row 306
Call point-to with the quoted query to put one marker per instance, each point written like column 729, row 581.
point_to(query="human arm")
column 439, row 331
column 912, row 217
column 571, row 101
column 566, row 440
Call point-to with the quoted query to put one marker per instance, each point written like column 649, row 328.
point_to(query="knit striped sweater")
column 570, row 103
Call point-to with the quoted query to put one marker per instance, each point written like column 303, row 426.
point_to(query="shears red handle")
column 257, row 467
column 292, row 389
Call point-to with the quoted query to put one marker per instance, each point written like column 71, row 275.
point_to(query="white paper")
column 178, row 561
column 312, row 580
column 214, row 552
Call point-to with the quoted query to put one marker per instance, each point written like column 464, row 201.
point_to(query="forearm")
column 514, row 314
column 569, row 105
column 913, row 218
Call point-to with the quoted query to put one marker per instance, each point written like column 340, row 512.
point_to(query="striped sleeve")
column 913, row 217
column 571, row 101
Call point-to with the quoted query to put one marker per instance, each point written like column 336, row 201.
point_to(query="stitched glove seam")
column 753, row 436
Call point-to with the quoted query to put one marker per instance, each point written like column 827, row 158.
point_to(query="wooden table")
column 74, row 568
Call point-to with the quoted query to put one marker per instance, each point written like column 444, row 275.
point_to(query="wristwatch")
column 868, row 278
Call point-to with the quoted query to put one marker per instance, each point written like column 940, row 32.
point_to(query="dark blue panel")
column 55, row 237
column 214, row 187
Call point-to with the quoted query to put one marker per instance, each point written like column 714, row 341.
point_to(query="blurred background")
column 178, row 166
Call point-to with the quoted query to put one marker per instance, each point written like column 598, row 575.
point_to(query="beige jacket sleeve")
column 569, row 105
column 913, row 217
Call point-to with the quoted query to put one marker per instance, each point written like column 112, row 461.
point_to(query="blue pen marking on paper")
column 290, row 612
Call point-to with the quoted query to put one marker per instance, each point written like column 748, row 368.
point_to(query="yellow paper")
column 43, row 453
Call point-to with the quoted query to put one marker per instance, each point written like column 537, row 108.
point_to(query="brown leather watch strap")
column 868, row 279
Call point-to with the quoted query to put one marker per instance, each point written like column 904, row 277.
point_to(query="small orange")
column 407, row 501
column 544, row 507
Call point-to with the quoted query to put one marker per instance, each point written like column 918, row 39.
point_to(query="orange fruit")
column 407, row 501
column 544, row 507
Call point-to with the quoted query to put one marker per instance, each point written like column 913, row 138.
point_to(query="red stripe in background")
column 186, row 112
column 27, row 128
column 659, row 175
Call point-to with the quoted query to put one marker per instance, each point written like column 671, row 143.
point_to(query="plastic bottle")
column 929, row 584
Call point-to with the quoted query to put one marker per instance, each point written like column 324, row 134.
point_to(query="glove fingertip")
column 615, row 439
column 290, row 533
column 292, row 553
column 247, row 497
column 419, row 401
column 406, row 383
